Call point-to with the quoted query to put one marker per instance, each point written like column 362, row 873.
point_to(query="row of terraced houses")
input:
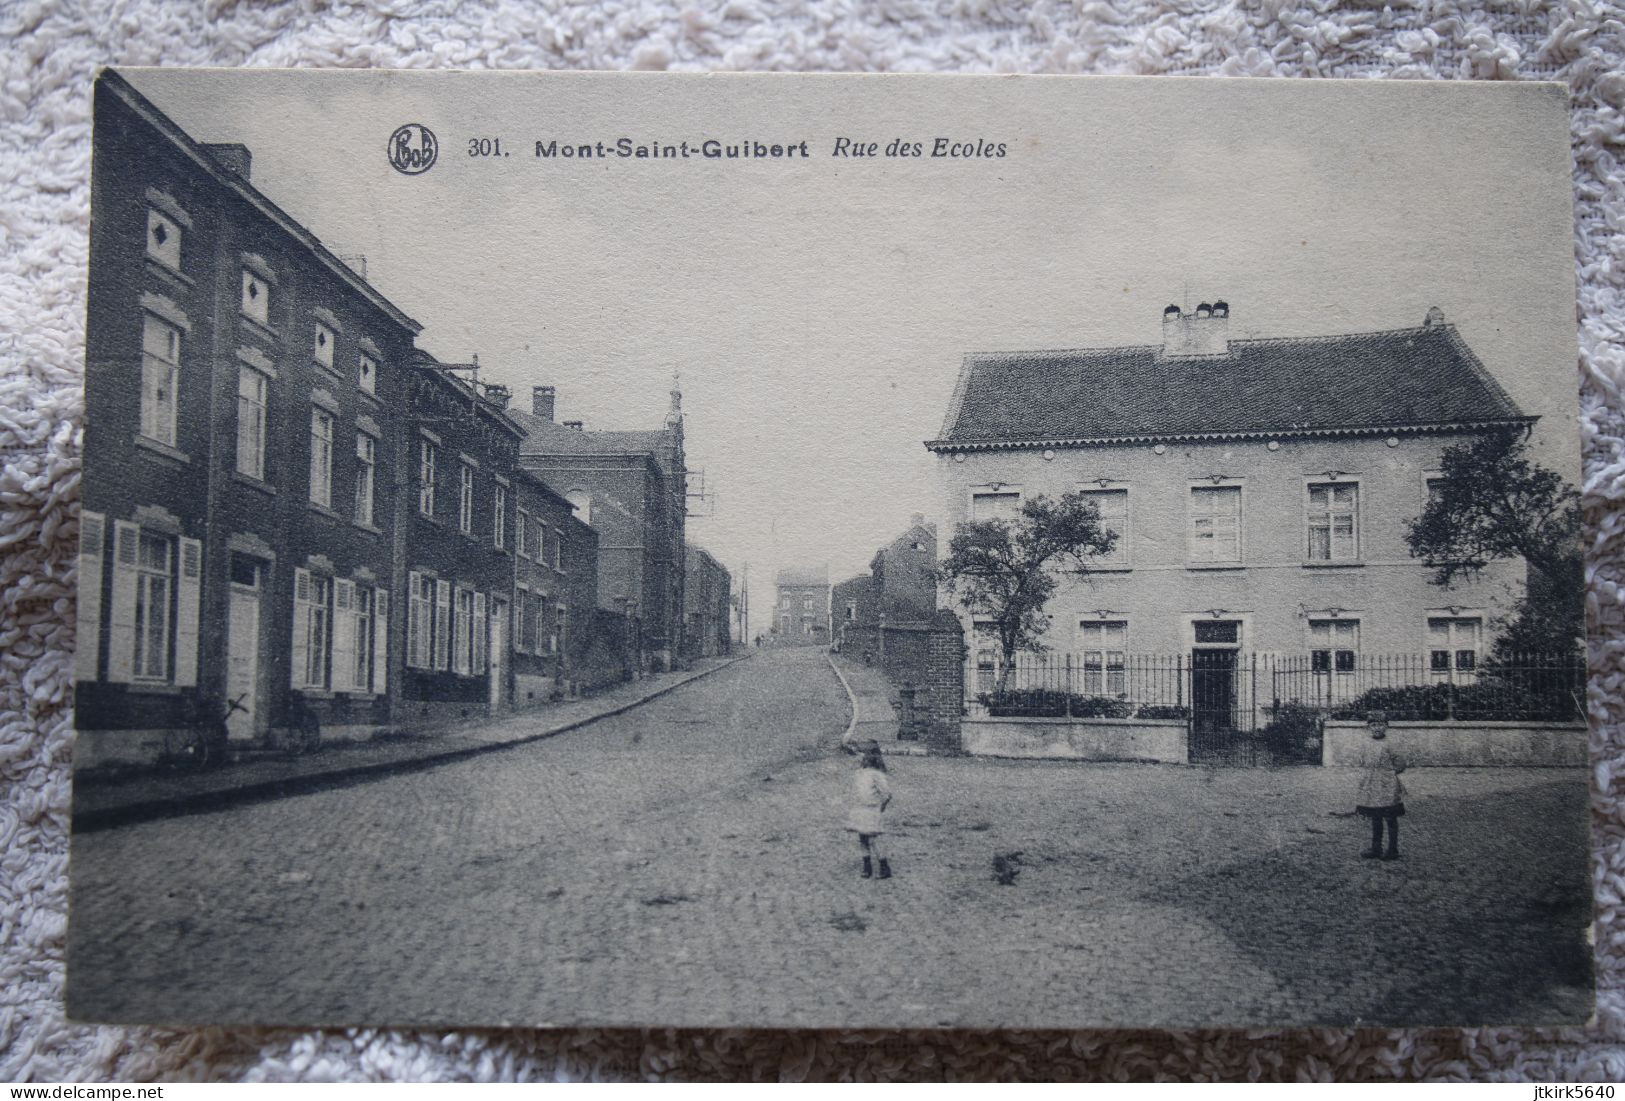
column 290, row 505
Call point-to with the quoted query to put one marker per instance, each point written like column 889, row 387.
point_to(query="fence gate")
column 1222, row 712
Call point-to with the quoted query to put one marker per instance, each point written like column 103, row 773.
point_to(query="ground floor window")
column 312, row 629
column 153, row 615
column 1102, row 644
column 1454, row 644
column 428, row 622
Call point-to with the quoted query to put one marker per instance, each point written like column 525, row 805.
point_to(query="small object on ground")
column 1006, row 866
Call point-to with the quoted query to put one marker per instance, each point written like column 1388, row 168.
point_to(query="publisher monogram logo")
column 413, row 149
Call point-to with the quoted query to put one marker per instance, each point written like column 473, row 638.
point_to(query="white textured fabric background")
column 50, row 53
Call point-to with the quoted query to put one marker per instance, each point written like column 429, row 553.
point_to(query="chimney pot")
column 232, row 156
column 1435, row 317
column 917, row 520
column 541, row 401
column 577, row 425
column 1205, row 331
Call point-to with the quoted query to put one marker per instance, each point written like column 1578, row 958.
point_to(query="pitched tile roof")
column 1363, row 382
column 546, row 437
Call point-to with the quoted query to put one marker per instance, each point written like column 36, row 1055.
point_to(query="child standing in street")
column 1381, row 795
column 871, row 793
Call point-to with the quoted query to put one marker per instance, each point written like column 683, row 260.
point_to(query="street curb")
column 347, row 776
column 852, row 701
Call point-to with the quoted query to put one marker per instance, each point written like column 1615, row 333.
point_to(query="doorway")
column 243, row 647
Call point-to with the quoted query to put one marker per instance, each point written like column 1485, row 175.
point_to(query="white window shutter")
column 301, row 626
column 344, row 636
column 380, row 640
column 442, row 624
column 92, row 553
column 187, row 601
column 121, row 620
column 482, row 633
column 459, row 632
column 414, row 620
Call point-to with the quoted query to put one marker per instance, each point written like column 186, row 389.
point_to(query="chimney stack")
column 541, row 401
column 232, row 156
column 917, row 520
column 1205, row 331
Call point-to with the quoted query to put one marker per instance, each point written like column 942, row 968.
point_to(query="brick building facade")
column 238, row 511
column 555, row 596
column 801, row 607
column 708, row 604
column 631, row 487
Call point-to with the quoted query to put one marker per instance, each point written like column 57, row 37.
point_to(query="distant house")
column 1260, row 490
column 801, row 606
column 631, row 487
column 899, row 588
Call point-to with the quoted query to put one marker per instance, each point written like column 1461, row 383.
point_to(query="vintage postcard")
column 829, row 551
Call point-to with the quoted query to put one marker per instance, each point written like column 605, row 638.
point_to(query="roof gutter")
column 945, row 445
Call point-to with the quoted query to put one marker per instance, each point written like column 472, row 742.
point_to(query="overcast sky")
column 818, row 311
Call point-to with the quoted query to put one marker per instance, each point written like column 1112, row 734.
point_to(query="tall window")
column 1102, row 643
column 995, row 506
column 499, row 517
column 465, row 498
column 367, row 374
column 1113, row 506
column 558, row 550
column 1453, row 647
column 365, row 640
column 256, row 304
column 1215, row 524
column 322, row 346
column 426, row 475
column 1334, row 645
column 522, row 533
column 163, row 240
column 419, row 621
column 463, row 633
column 313, row 596
column 251, row 393
column 1333, row 522
column 366, row 462
column 160, row 374
column 321, row 457
column 155, row 571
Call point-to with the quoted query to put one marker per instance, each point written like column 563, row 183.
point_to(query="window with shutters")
column 426, row 477
column 463, row 633
column 465, row 498
column 442, row 625
column 313, row 637
column 1333, row 522
column 256, row 302
column 160, row 375
column 321, row 457
column 480, row 635
column 366, row 462
column 1215, row 531
column 252, row 388
column 420, row 621
column 163, row 239
column 363, row 612
column 92, row 553
column 154, row 593
column 322, row 346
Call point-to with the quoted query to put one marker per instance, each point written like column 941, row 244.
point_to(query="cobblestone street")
column 684, row 864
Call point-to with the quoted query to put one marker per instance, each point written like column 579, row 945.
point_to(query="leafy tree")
column 1005, row 571
column 1493, row 503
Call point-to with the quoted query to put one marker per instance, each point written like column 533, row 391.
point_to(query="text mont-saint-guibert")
column 754, row 149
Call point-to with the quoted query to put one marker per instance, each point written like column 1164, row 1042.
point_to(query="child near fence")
column 1381, row 793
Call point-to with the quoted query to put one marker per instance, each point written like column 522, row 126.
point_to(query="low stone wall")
column 1464, row 744
column 1162, row 740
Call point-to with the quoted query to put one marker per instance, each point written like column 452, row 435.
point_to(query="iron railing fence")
column 1244, row 690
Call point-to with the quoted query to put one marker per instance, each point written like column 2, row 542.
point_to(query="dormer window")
column 163, row 240
column 322, row 347
column 367, row 376
column 256, row 298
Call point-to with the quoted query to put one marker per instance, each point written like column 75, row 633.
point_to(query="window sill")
column 253, row 483
column 1215, row 565
column 321, row 509
column 168, row 452
column 141, row 688
column 1111, row 569
column 314, row 693
column 370, row 395
column 264, row 332
column 360, row 697
column 427, row 519
column 470, row 536
column 333, row 374
column 1348, row 564
column 368, row 528
column 164, row 271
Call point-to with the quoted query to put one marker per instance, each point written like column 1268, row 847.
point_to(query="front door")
column 498, row 650
column 243, row 647
column 1213, row 690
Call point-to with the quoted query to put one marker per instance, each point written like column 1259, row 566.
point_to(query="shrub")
column 1292, row 726
column 1101, row 707
column 1162, row 711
